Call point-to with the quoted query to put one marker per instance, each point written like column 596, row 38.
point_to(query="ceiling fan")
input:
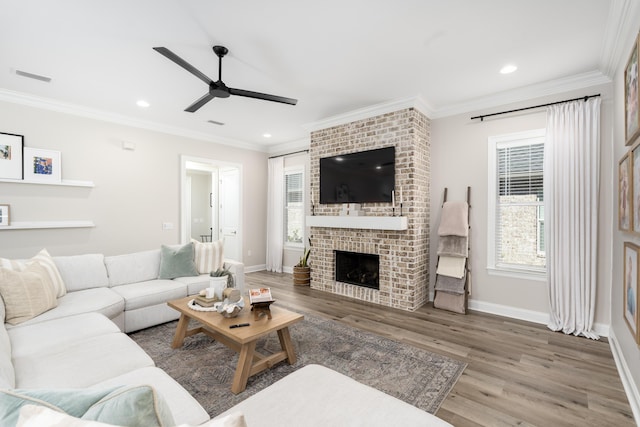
column 218, row 89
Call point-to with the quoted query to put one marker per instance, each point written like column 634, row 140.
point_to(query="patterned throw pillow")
column 209, row 256
column 46, row 262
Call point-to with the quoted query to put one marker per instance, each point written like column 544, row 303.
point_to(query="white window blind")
column 294, row 207
column 515, row 217
column 519, row 210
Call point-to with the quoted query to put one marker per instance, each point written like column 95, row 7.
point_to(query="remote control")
column 240, row 325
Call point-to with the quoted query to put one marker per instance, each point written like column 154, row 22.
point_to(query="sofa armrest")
column 237, row 269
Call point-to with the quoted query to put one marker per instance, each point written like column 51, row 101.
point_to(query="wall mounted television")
column 362, row 177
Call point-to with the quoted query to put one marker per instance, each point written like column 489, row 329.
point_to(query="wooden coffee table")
column 243, row 340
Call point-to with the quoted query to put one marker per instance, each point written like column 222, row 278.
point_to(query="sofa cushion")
column 131, row 268
column 46, row 261
column 151, row 292
column 58, row 333
column 208, row 256
column 91, row 361
column 137, row 405
column 26, row 293
column 177, row 262
column 184, row 407
column 82, row 271
column 100, row 300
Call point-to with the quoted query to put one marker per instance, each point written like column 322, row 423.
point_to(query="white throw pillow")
column 209, row 256
column 41, row 416
column 47, row 262
column 26, row 293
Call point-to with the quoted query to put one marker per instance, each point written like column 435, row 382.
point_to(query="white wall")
column 459, row 155
column 135, row 191
column 624, row 345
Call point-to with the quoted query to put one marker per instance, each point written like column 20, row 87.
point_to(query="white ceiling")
column 334, row 56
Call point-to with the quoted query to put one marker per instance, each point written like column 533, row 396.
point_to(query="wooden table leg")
column 181, row 331
column 287, row 345
column 245, row 361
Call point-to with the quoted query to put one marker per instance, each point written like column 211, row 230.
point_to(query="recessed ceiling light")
column 266, row 135
column 508, row 69
column 142, row 103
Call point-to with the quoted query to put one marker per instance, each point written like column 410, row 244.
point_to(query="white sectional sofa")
column 81, row 345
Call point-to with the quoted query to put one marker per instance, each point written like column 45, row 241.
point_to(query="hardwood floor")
column 518, row 373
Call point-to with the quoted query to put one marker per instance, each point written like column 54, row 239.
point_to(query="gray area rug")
column 205, row 367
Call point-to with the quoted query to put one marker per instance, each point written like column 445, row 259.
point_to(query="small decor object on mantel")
column 42, row 165
column 4, row 216
column 11, row 151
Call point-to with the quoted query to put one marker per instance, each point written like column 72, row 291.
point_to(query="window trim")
column 292, row 170
column 517, row 138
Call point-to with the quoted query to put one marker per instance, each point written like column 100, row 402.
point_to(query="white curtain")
column 572, row 173
column 275, row 214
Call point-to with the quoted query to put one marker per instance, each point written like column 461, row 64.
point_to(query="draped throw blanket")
column 454, row 219
column 572, row 173
column 456, row 246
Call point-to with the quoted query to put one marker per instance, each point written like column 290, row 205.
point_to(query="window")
column 294, row 206
column 516, row 202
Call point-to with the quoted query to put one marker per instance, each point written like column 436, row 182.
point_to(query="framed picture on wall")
column 630, row 292
column 11, row 147
column 4, row 216
column 635, row 188
column 631, row 110
column 624, row 193
column 42, row 165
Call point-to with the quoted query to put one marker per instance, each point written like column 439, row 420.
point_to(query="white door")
column 230, row 213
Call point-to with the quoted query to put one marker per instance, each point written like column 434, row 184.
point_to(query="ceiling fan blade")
column 184, row 64
column 199, row 103
column 266, row 97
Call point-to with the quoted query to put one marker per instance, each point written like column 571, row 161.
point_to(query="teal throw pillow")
column 177, row 261
column 138, row 405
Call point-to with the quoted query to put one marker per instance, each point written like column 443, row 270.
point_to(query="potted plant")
column 221, row 279
column 302, row 271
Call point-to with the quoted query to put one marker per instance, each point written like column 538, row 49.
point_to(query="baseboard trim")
column 524, row 314
column 254, row 268
column 630, row 388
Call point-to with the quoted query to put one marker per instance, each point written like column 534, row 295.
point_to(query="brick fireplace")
column 401, row 244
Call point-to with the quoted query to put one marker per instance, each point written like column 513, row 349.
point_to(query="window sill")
column 518, row 274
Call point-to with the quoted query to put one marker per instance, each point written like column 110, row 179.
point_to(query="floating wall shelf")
column 64, row 182
column 397, row 223
column 34, row 225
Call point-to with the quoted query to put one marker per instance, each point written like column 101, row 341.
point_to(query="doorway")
column 211, row 203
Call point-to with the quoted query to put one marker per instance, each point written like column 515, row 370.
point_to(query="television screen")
column 363, row 177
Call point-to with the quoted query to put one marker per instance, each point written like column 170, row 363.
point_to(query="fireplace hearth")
column 358, row 269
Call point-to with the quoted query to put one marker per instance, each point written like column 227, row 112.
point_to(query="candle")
column 401, row 200
column 393, row 198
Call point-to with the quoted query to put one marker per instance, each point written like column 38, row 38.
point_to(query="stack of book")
column 203, row 301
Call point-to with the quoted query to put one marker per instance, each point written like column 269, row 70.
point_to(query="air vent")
column 215, row 123
column 33, row 76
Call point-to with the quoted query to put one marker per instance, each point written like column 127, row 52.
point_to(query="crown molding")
column 77, row 110
column 620, row 23
column 525, row 93
column 416, row 102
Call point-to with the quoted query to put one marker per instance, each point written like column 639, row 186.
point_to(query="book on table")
column 260, row 295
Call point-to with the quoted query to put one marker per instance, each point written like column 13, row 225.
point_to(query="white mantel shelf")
column 35, row 225
column 398, row 223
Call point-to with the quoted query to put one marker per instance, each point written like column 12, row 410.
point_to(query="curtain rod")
column 289, row 154
column 535, row 106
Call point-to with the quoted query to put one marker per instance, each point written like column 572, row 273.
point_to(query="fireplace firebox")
column 358, row 269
